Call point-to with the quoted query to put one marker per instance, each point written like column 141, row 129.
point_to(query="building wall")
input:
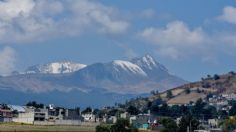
column 5, row 119
column 27, row 118
column 58, row 122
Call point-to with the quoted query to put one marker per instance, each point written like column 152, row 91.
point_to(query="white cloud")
column 175, row 38
column 101, row 15
column 7, row 60
column 31, row 20
column 14, row 8
column 229, row 14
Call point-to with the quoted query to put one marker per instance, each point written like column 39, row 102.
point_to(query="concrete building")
column 140, row 121
column 27, row 118
column 125, row 115
column 5, row 115
column 48, row 116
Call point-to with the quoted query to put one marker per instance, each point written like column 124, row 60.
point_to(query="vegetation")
column 169, row 94
column 187, row 91
column 232, row 111
column 232, row 72
column 169, row 125
column 122, row 125
column 35, row 104
column 188, row 121
column 16, row 127
column 133, row 110
column 103, row 128
column 87, row 110
column 229, row 125
column 153, row 92
column 216, row 77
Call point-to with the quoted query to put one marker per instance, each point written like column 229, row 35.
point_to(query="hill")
column 217, row 84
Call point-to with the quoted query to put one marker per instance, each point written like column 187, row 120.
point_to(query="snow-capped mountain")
column 97, row 81
column 128, row 66
column 147, row 62
column 55, row 68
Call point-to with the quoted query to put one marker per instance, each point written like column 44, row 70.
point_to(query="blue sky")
column 192, row 38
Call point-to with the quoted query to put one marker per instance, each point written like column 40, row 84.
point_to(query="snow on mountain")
column 128, row 66
column 148, row 63
column 55, row 68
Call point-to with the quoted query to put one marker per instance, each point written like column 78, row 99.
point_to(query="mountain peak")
column 128, row 66
column 148, row 63
column 55, row 67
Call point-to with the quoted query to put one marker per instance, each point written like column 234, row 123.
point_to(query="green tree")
column 232, row 111
column 188, row 121
column 232, row 72
column 153, row 92
column 216, row 77
column 198, row 90
column 229, row 125
column 197, row 109
column 133, row 110
column 208, row 76
column 164, row 110
column 169, row 125
column 96, row 111
column 169, row 94
column 87, row 110
column 187, row 91
column 223, row 114
column 35, row 104
column 209, row 112
column 123, row 125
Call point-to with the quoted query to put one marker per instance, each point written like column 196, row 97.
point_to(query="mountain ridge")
column 119, row 77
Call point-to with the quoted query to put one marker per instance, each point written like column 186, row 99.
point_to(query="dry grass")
column 38, row 128
column 186, row 98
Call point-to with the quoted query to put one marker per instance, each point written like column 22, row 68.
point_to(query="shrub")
column 103, row 128
column 216, row 77
column 187, row 91
column 169, row 94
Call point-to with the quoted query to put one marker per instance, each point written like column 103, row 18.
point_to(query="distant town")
column 215, row 113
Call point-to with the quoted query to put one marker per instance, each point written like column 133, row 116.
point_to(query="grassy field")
column 38, row 128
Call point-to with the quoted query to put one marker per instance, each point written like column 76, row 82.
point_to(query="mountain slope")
column 138, row 76
column 216, row 85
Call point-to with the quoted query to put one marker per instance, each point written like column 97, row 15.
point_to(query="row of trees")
column 122, row 125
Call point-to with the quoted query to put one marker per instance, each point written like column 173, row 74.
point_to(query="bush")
column 187, row 91
column 206, row 85
column 216, row 77
column 169, row 125
column 103, row 128
column 122, row 125
column 229, row 125
column 169, row 94
column 198, row 90
column 232, row 73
